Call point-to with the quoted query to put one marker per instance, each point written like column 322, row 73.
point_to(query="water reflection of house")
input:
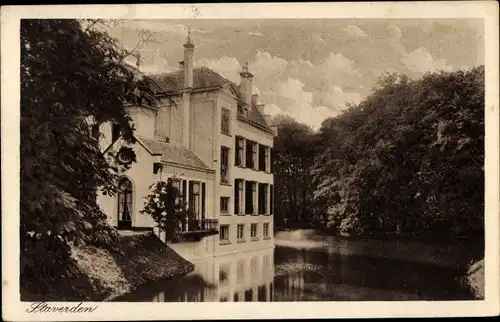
column 291, row 287
column 208, row 135
column 241, row 277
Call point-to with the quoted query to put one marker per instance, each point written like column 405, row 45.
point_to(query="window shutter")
column 271, row 152
column 271, row 199
column 190, row 198
column 184, row 191
column 236, row 197
column 203, row 200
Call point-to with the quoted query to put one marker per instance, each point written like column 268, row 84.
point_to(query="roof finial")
column 188, row 43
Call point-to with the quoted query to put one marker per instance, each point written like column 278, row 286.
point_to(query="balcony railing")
column 196, row 229
column 199, row 225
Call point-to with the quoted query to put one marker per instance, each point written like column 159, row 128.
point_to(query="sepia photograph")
column 311, row 159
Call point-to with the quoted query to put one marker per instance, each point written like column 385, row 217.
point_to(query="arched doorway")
column 125, row 204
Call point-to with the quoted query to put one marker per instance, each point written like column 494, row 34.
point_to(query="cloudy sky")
column 310, row 68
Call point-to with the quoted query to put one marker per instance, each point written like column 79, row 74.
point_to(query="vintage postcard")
column 293, row 160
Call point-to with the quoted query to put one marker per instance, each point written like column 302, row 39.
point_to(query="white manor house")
column 209, row 135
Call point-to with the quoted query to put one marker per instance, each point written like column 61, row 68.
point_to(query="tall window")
column 238, row 197
column 265, row 229
column 240, row 148
column 251, row 154
column 240, row 232
column 253, row 231
column 267, row 158
column 263, row 198
column 194, row 198
column 176, row 184
column 224, row 205
column 225, row 121
column 224, row 233
column 255, row 150
column 250, row 188
column 224, row 164
column 124, row 203
column 262, row 157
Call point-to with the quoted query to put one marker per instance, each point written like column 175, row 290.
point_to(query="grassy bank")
column 99, row 274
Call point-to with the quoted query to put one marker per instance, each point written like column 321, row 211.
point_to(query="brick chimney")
column 246, row 86
column 187, row 67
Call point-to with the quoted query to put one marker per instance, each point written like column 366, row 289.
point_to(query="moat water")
column 308, row 266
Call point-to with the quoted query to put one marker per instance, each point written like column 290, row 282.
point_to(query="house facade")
column 209, row 136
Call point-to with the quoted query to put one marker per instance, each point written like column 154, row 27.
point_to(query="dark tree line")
column 408, row 159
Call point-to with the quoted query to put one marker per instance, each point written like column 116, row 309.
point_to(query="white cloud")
column 307, row 92
column 421, row 61
column 292, row 100
column 293, row 89
column 264, row 62
column 355, row 32
column 337, row 62
column 336, row 99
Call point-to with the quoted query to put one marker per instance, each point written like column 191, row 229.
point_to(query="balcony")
column 196, row 229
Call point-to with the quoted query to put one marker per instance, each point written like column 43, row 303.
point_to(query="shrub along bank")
column 101, row 274
column 475, row 279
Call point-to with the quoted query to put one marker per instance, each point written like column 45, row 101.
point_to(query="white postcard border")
column 13, row 309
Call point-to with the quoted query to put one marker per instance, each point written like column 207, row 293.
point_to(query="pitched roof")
column 203, row 77
column 171, row 153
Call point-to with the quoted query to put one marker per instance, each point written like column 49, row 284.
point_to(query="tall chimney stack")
column 186, row 92
column 246, row 86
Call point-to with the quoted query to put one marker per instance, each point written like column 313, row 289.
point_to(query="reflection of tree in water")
column 326, row 275
column 190, row 288
column 197, row 280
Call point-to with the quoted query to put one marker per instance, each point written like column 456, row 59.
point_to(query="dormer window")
column 243, row 110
